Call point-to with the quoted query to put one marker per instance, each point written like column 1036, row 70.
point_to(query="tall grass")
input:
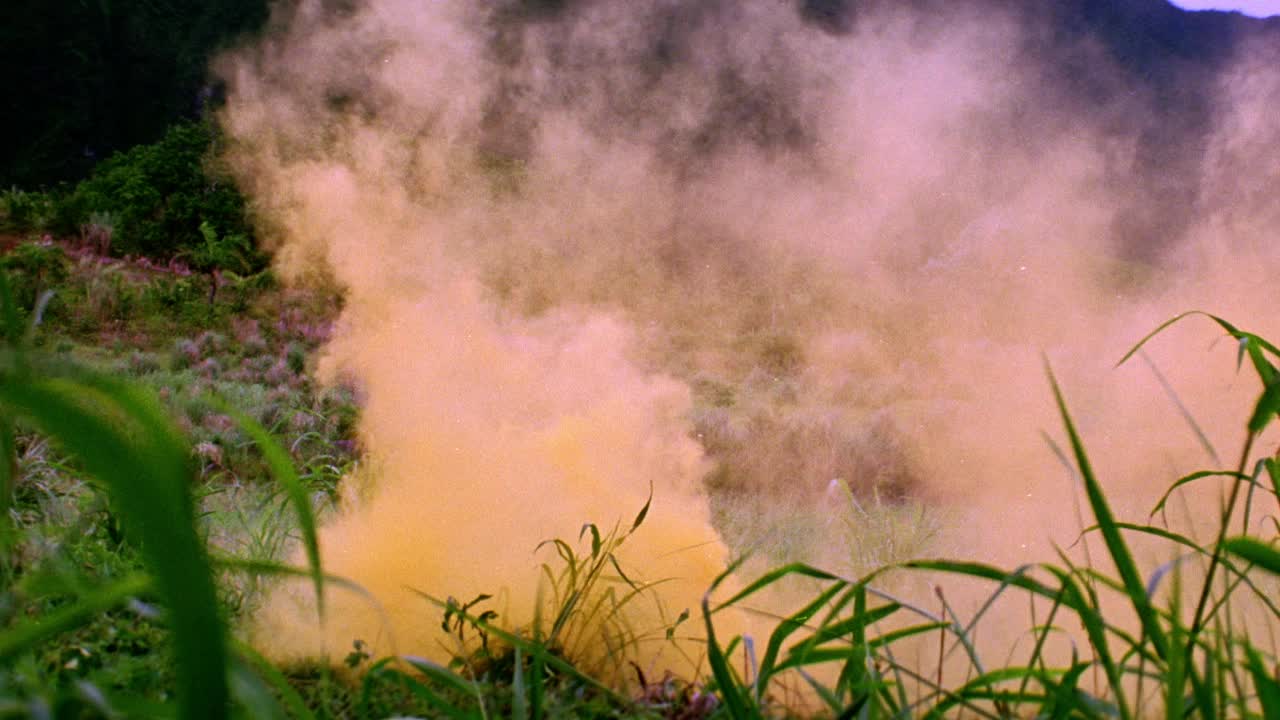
column 1113, row 640
column 121, row 437
column 1139, row 653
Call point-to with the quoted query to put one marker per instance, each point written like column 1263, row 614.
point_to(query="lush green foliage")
column 168, row 199
column 164, row 199
column 36, row 268
column 22, row 211
column 121, row 436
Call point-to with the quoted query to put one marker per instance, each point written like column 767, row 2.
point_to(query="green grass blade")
column 1273, row 472
column 1119, row 551
column 774, row 576
column 1065, row 697
column 283, row 471
column 1204, row 690
column 961, row 634
column 785, row 629
column 8, row 476
column 855, row 674
column 894, row 636
column 123, row 438
column 1267, row 687
column 644, row 512
column 1253, row 346
column 1254, row 551
column 1159, row 329
column 1250, row 343
column 1096, row 630
column 734, row 696
column 982, row 688
column 1267, row 406
column 852, row 625
column 293, row 702
column 1175, row 679
column 1240, row 574
column 519, row 700
column 984, row 572
column 445, row 678
column 26, row 635
column 537, row 681
column 828, row 697
column 252, row 695
column 1199, row 475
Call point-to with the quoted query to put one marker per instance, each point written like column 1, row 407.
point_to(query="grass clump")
column 1141, row 649
column 104, row 572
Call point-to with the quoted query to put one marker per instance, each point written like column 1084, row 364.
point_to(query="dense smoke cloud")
column 736, row 251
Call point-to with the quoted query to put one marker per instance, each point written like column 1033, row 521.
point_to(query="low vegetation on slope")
column 166, row 444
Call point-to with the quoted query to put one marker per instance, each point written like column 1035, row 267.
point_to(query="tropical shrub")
column 36, row 269
column 22, row 211
column 159, row 197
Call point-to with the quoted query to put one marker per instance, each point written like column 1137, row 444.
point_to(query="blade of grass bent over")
column 1247, row 339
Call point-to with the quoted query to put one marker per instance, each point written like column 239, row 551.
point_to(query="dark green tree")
column 85, row 78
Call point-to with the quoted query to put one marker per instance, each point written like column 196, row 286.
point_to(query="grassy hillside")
column 222, row 416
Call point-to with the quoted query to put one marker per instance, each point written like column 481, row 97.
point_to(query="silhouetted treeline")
column 85, row 78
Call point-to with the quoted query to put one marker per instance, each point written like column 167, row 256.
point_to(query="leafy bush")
column 22, row 211
column 36, row 268
column 184, row 299
column 160, row 196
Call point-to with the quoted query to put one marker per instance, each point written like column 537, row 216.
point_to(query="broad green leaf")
column 1268, row 405
column 1255, row 551
column 1267, row 687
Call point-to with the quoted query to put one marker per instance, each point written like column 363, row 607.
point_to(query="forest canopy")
column 87, row 78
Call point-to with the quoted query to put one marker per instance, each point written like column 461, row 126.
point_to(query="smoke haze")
column 737, row 252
